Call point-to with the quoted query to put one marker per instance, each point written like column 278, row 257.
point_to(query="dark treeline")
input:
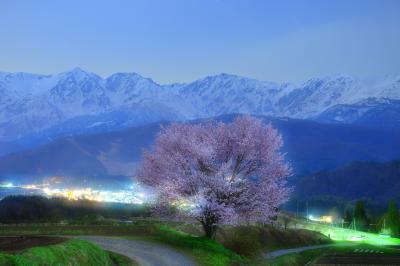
column 324, row 204
column 33, row 209
column 387, row 223
column 373, row 181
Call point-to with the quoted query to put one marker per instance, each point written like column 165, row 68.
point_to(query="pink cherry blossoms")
column 219, row 173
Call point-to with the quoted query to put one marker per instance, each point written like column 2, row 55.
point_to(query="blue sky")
column 182, row 40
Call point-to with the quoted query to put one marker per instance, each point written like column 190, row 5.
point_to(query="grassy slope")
column 71, row 252
column 252, row 241
column 204, row 251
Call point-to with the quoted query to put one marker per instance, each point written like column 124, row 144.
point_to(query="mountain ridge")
column 33, row 103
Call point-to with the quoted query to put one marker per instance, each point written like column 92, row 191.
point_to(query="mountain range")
column 79, row 102
column 309, row 147
column 87, row 129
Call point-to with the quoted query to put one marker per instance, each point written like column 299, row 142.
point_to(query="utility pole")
column 384, row 224
column 307, row 208
column 355, row 226
column 297, row 211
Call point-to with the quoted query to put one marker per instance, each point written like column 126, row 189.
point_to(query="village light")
column 327, row 219
column 7, row 185
column 323, row 219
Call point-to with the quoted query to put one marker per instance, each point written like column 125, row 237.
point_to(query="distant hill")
column 379, row 182
column 96, row 157
column 310, row 147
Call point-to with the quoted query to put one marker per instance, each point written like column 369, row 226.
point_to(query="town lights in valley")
column 121, row 196
column 129, row 196
column 30, row 187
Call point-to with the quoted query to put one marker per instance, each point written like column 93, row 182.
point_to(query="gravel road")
column 145, row 253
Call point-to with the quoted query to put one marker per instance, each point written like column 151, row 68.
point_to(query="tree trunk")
column 209, row 221
column 209, row 229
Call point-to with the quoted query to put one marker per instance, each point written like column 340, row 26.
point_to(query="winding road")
column 145, row 253
column 281, row 252
column 152, row 254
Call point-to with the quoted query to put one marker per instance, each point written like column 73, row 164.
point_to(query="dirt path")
column 281, row 252
column 145, row 253
column 14, row 244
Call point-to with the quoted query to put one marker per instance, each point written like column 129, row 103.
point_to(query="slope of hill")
column 310, row 146
column 379, row 182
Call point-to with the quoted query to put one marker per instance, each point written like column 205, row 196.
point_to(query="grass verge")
column 293, row 259
column 121, row 260
column 71, row 252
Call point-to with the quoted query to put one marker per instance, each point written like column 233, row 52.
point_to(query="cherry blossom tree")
column 218, row 173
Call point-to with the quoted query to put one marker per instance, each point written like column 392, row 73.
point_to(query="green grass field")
column 344, row 234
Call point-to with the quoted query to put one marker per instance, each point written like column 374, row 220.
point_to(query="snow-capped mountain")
column 79, row 101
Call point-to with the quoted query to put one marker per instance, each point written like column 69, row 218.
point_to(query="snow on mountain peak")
column 26, row 99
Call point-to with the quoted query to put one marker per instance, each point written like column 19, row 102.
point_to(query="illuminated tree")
column 218, row 173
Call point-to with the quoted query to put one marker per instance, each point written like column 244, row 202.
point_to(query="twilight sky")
column 182, row 40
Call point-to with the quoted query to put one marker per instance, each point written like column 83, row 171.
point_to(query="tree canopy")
column 218, row 173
